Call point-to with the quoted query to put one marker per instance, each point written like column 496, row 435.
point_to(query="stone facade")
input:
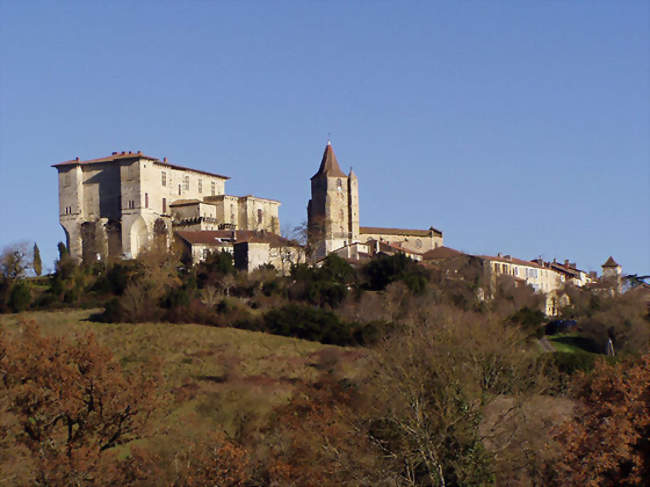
column 333, row 211
column 115, row 206
column 250, row 249
column 333, row 215
column 418, row 241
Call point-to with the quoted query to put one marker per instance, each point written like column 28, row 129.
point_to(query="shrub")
column 385, row 269
column 20, row 296
column 308, row 323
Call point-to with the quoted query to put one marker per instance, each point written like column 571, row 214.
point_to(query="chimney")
column 164, row 159
column 566, row 263
column 139, row 151
column 76, row 158
column 129, row 152
column 114, row 153
column 123, row 152
column 498, row 254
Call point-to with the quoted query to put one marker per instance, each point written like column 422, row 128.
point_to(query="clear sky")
column 514, row 127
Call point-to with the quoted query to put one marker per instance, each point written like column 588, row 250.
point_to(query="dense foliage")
column 458, row 384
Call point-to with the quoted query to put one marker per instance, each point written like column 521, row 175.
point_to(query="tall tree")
column 37, row 265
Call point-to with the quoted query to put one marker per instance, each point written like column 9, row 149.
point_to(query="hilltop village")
column 113, row 207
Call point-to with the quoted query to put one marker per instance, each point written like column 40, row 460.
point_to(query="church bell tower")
column 333, row 211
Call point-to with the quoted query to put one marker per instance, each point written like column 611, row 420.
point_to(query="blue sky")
column 515, row 127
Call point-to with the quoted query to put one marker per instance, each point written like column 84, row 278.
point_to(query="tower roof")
column 610, row 262
column 329, row 166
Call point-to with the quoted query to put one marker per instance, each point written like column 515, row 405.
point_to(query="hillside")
column 216, row 378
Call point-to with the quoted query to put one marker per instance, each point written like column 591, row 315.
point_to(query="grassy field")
column 571, row 343
column 216, row 378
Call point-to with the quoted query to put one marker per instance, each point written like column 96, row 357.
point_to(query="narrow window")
column 213, row 188
column 200, row 185
column 260, row 214
column 163, row 175
column 186, row 183
column 179, row 190
column 339, row 184
column 164, row 205
column 146, row 200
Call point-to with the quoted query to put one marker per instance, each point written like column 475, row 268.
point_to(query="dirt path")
column 546, row 345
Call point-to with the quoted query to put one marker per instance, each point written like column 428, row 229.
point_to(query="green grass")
column 571, row 343
column 216, row 378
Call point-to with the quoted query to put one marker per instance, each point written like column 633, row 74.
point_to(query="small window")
column 131, row 204
column 339, row 184
column 186, row 183
column 206, row 253
column 179, row 190
column 200, row 185
column 146, row 200
column 163, row 176
column 260, row 215
column 164, row 205
column 213, row 188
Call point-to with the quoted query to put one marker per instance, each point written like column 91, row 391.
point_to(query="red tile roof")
column 400, row 231
column 511, row 260
column 441, row 253
column 119, row 156
column 329, row 166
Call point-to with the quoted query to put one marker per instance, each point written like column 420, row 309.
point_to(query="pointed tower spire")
column 329, row 166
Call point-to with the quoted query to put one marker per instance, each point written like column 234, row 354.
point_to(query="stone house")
column 250, row 249
column 114, row 206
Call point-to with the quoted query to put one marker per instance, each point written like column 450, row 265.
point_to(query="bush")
column 308, row 323
column 568, row 363
column 559, row 326
column 20, row 296
column 385, row 269
column 324, row 286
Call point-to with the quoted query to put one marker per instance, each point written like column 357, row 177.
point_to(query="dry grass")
column 216, row 378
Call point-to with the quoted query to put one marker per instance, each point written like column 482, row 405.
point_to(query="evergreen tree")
column 63, row 250
column 37, row 264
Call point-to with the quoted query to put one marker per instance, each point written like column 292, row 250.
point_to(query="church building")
column 333, row 218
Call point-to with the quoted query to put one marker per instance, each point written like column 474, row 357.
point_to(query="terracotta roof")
column 184, row 202
column 329, row 166
column 120, row 156
column 572, row 271
column 610, row 262
column 216, row 237
column 399, row 231
column 511, row 260
column 441, row 253
column 116, row 156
